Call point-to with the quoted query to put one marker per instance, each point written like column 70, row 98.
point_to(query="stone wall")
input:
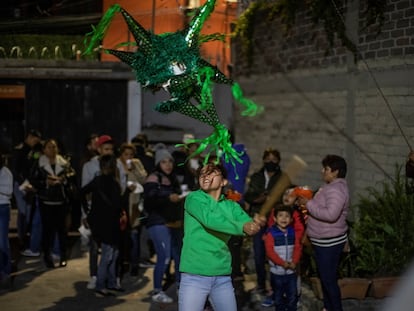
column 317, row 103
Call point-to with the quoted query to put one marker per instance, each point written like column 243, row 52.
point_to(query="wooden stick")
column 295, row 166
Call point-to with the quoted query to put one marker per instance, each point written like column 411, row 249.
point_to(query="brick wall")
column 318, row 103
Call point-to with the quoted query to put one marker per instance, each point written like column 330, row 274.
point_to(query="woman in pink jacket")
column 327, row 227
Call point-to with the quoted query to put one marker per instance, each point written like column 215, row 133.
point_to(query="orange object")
column 233, row 195
column 303, row 191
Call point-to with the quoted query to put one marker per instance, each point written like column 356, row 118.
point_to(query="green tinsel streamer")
column 251, row 108
column 98, row 32
column 206, row 99
column 211, row 37
column 219, row 144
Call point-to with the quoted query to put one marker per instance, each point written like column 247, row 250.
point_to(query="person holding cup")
column 132, row 172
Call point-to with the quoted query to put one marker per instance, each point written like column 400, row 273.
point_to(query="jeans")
column 135, row 247
column 5, row 259
column 107, row 267
column 161, row 238
column 260, row 258
column 327, row 262
column 194, row 290
column 36, row 228
column 28, row 218
column 177, row 235
column 285, row 291
column 93, row 257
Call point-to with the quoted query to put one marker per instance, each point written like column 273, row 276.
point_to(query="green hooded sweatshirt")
column 208, row 225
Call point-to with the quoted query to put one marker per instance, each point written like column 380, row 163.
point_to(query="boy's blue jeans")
column 285, row 285
column 194, row 290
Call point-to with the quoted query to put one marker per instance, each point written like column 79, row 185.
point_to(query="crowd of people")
column 188, row 210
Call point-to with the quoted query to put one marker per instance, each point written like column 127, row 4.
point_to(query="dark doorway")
column 12, row 119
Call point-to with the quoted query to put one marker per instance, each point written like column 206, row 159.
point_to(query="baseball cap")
column 104, row 139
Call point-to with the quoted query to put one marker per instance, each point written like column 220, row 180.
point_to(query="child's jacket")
column 282, row 247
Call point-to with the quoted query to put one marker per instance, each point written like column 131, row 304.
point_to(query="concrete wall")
column 318, row 101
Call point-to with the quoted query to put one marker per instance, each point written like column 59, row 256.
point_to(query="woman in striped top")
column 327, row 227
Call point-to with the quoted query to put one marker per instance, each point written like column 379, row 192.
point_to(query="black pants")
column 53, row 222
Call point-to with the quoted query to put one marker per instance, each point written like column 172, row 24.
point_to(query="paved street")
column 37, row 288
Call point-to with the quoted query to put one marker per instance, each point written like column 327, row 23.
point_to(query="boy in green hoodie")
column 209, row 221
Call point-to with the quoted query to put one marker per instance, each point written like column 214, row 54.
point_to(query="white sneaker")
column 162, row 298
column 29, row 253
column 92, row 283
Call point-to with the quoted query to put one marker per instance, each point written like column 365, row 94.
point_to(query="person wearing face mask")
column 260, row 185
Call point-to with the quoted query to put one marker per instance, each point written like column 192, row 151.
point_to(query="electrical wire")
column 375, row 81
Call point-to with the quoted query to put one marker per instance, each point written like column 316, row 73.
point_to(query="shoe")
column 162, row 298
column 92, row 283
column 63, row 263
column 29, row 253
column 146, row 264
column 104, row 293
column 268, row 301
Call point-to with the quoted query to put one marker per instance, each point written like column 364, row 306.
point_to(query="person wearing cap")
column 91, row 169
column 163, row 203
column 23, row 157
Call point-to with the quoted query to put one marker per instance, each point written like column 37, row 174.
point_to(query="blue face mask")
column 272, row 167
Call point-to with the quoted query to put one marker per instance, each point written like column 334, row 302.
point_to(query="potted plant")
column 383, row 233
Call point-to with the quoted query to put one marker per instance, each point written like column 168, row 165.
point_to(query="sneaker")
column 161, row 297
column 29, row 253
column 104, row 293
column 92, row 283
column 268, row 301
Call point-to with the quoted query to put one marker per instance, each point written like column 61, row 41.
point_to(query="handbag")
column 123, row 220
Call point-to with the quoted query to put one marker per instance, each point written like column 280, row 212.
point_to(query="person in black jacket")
column 23, row 158
column 104, row 216
column 51, row 177
column 260, row 185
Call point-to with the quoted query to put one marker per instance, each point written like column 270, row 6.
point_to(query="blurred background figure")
column 50, row 177
column 28, row 218
column 6, row 191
